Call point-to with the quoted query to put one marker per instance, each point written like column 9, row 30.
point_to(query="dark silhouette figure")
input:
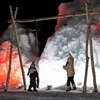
column 34, row 77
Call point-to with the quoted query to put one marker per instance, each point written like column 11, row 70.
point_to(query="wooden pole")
column 53, row 17
column 86, row 51
column 15, row 33
column 92, row 65
column 92, row 58
column 91, row 54
column 37, row 43
column 10, row 59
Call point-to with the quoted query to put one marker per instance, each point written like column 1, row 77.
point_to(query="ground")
column 48, row 95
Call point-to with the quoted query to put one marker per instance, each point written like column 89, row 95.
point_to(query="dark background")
column 30, row 9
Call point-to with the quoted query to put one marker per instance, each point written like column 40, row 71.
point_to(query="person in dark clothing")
column 34, row 77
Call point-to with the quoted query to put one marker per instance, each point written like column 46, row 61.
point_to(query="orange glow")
column 15, row 76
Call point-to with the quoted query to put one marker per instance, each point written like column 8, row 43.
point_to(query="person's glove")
column 27, row 74
column 37, row 85
column 64, row 67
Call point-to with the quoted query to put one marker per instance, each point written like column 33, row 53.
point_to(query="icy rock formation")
column 71, row 39
column 28, row 45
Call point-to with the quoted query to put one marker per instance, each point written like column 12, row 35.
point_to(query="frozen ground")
column 48, row 95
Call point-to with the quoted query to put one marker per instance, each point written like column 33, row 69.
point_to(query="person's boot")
column 35, row 90
column 29, row 88
column 74, row 87
column 68, row 88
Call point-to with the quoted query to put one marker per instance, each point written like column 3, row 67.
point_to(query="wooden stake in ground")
column 89, row 38
column 10, row 59
column 92, row 57
column 19, row 52
column 86, row 51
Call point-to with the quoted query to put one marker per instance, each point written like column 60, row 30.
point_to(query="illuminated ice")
column 70, row 39
column 27, row 43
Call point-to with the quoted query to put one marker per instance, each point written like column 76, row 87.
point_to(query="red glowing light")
column 97, row 28
column 15, row 76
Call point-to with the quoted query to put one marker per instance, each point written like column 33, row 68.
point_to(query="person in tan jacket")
column 69, row 67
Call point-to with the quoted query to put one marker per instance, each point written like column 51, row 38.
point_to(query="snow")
column 65, row 40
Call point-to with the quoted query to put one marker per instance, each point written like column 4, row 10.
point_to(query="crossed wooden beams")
column 14, row 34
column 88, row 39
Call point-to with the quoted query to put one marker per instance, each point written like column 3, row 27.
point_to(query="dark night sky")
column 30, row 9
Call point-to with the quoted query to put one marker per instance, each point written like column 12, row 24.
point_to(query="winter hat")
column 32, row 65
